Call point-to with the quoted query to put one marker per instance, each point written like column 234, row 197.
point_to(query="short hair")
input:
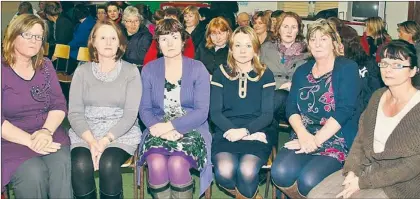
column 328, row 29
column 259, row 68
column 279, row 22
column 21, row 24
column 410, row 27
column 168, row 26
column 25, row 8
column 158, row 15
column 265, row 18
column 218, row 23
column 121, row 37
column 172, row 11
column 52, row 8
column 400, row 49
column 80, row 11
column 276, row 13
column 130, row 11
column 103, row 7
column 192, row 10
column 112, row 3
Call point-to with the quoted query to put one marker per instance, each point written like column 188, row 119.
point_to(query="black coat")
column 198, row 34
column 210, row 58
column 137, row 46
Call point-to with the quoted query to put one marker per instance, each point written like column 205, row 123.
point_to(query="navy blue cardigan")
column 346, row 85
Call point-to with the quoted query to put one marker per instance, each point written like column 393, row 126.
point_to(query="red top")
column 153, row 51
column 366, row 47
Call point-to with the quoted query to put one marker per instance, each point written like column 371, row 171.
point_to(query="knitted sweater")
column 397, row 169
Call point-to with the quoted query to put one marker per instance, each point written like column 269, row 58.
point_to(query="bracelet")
column 46, row 130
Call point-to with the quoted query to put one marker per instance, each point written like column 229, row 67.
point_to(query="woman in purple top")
column 174, row 107
column 35, row 148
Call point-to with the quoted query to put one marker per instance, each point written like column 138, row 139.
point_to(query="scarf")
column 294, row 52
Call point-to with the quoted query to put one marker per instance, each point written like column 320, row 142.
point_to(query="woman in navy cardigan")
column 321, row 108
column 174, row 107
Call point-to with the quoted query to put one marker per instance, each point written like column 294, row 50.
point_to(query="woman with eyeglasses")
column 321, row 108
column 385, row 157
column 138, row 36
column 35, row 147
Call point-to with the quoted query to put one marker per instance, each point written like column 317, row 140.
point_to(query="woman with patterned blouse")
column 321, row 108
column 104, row 99
column 174, row 108
column 34, row 147
column 242, row 112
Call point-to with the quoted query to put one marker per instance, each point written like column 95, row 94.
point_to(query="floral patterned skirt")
column 191, row 146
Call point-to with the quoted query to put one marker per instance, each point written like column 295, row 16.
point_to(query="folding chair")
column 46, row 48
column 83, row 55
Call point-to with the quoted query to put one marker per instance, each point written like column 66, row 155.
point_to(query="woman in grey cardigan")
column 104, row 99
column 282, row 55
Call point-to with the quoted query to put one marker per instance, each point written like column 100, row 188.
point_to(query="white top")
column 385, row 125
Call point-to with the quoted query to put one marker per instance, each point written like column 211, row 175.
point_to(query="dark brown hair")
column 168, row 26
column 121, row 37
column 279, row 22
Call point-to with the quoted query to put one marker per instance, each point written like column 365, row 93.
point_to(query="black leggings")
column 82, row 173
column 308, row 170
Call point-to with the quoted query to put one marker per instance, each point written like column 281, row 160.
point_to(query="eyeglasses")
column 27, row 35
column 132, row 22
column 393, row 65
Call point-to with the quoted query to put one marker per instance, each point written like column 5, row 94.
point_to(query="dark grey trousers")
column 45, row 176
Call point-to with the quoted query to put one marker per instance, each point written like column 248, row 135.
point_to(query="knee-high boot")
column 184, row 191
column 292, row 191
column 90, row 195
column 160, row 191
column 107, row 196
column 240, row 196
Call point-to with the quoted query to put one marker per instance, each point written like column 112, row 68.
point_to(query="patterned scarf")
column 294, row 52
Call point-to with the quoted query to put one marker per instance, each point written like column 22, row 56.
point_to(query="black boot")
column 91, row 195
column 116, row 196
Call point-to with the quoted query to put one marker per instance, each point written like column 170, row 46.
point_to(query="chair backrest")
column 62, row 51
column 83, row 54
column 46, row 49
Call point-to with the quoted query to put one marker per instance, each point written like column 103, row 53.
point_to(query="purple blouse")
column 25, row 104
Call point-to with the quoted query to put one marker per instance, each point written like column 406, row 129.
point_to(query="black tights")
column 280, row 98
column 82, row 173
column 240, row 171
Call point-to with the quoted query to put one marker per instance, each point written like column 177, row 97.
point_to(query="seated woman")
column 193, row 25
column 261, row 22
column 174, row 108
column 104, row 99
column 242, row 111
column 81, row 32
column 385, row 157
column 283, row 55
column 139, row 37
column 214, row 50
column 374, row 36
column 410, row 32
column 35, row 147
column 321, row 109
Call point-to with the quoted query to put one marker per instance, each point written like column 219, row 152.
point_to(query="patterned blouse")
column 316, row 104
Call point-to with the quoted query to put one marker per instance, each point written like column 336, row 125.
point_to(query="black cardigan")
column 210, row 58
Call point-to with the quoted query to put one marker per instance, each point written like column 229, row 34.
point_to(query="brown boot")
column 160, row 191
column 231, row 192
column 292, row 191
column 240, row 196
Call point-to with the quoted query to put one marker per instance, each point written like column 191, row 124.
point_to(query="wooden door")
column 414, row 11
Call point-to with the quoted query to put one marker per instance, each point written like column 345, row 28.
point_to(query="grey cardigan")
column 270, row 56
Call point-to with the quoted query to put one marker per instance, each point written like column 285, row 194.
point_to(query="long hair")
column 412, row 28
column 279, row 22
column 375, row 27
column 259, row 68
column 352, row 47
column 19, row 25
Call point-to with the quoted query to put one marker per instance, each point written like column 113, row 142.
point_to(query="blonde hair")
column 216, row 24
column 279, row 22
column 259, row 68
column 192, row 10
column 18, row 26
column 328, row 29
column 375, row 27
column 121, row 37
column 410, row 27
